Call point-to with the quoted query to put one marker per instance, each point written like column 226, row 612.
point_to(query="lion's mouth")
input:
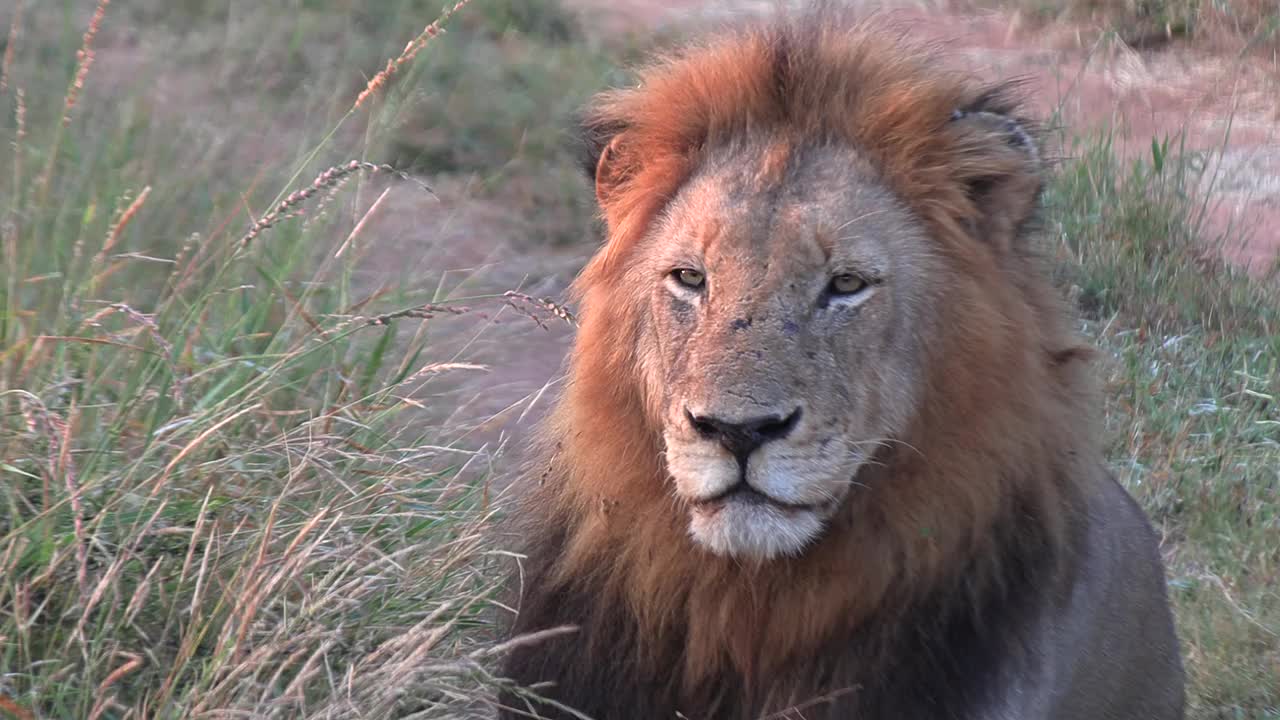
column 743, row 492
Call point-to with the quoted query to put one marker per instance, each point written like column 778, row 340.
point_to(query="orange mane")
column 989, row 464
column 815, row 80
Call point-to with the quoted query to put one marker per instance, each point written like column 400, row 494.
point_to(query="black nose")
column 743, row 438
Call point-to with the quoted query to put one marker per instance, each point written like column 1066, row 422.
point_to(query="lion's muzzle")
column 757, row 484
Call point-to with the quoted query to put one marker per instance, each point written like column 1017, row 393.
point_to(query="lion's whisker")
column 863, row 216
column 888, row 442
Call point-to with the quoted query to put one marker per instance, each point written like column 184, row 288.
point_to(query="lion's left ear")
column 1002, row 171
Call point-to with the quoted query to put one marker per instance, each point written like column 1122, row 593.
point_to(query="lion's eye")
column 847, row 284
column 692, row 279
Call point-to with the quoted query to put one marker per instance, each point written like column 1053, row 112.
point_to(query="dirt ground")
column 1222, row 103
column 1093, row 84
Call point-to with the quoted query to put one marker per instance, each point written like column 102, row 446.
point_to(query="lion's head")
column 803, row 237
column 818, row 363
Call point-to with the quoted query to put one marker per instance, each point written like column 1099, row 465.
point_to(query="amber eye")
column 847, row 284
column 692, row 279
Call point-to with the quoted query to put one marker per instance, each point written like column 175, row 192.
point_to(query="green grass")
column 1192, row 369
column 212, row 496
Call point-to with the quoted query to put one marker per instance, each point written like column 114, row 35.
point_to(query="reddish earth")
column 1227, row 107
column 1097, row 83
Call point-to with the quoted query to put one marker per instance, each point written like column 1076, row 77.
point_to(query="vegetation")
column 217, row 491
column 212, row 498
column 1233, row 25
column 1191, row 356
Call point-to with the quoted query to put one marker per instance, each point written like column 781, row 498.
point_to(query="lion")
column 827, row 443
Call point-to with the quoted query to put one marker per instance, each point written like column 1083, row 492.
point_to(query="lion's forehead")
column 724, row 217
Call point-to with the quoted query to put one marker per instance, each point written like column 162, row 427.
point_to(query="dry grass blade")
column 407, row 55
column 84, row 61
column 11, row 46
column 93, row 341
column 292, row 205
column 132, row 663
column 145, row 321
column 436, row 368
column 364, row 219
column 159, row 482
column 532, row 638
column 122, row 222
column 523, row 304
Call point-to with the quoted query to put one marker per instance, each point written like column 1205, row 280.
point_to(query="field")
column 261, row 380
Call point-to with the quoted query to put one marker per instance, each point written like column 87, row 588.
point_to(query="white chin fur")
column 752, row 530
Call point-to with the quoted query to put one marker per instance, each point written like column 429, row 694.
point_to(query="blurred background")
column 281, row 292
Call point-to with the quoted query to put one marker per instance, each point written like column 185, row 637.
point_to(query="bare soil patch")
column 1226, row 105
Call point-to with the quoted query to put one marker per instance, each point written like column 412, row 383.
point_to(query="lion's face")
column 787, row 291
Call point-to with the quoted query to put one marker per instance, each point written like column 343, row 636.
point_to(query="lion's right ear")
column 610, row 170
column 603, row 155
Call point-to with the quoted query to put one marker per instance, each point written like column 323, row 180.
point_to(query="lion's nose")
column 744, row 437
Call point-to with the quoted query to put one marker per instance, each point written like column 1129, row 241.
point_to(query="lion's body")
column 826, row 447
column 1092, row 643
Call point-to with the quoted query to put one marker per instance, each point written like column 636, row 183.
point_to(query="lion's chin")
column 742, row 528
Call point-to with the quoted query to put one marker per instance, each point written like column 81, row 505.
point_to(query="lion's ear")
column 610, row 170
column 1003, row 173
column 602, row 155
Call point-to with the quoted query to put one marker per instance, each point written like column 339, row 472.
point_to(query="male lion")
column 826, row 446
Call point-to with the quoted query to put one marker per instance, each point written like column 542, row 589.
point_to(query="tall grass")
column 212, row 501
